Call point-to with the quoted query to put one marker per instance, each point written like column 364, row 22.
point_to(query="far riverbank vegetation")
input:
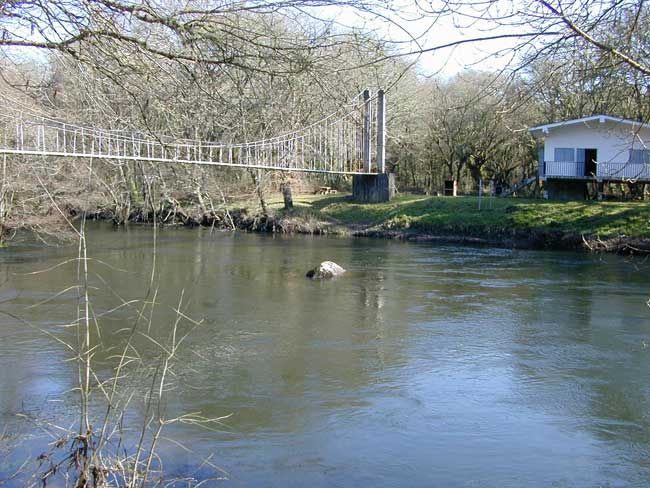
column 246, row 75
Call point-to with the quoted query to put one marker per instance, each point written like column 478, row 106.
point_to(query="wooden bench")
column 325, row 190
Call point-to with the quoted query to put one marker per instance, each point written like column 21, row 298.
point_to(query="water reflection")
column 438, row 365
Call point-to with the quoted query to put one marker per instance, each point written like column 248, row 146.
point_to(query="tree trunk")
column 475, row 171
column 257, row 181
column 286, row 195
column 4, row 202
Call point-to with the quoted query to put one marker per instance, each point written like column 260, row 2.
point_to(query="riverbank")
column 622, row 227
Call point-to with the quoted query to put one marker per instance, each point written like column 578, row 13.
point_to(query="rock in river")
column 326, row 269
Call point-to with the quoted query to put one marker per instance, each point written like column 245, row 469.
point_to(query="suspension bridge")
column 350, row 141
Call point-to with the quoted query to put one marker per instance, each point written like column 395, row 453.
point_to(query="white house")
column 600, row 148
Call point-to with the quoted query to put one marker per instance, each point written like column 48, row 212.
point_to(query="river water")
column 424, row 365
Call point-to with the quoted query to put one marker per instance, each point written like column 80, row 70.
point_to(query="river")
column 424, row 365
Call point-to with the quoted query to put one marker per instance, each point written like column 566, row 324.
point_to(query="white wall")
column 612, row 140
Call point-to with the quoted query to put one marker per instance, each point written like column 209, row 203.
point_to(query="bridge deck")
column 346, row 142
column 182, row 161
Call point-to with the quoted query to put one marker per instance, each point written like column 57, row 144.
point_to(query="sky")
column 401, row 29
column 428, row 32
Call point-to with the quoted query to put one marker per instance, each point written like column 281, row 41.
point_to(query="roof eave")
column 600, row 118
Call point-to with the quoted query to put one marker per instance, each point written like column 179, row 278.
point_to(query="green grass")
column 508, row 216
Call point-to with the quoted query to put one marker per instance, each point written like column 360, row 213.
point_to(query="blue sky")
column 401, row 26
column 428, row 32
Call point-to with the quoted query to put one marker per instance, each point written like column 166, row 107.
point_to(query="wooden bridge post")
column 381, row 132
column 367, row 136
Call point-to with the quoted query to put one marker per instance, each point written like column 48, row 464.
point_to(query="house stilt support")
column 566, row 189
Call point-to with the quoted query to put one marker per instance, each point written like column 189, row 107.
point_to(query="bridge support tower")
column 374, row 188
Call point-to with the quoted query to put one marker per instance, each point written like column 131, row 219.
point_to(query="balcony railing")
column 609, row 171
column 569, row 169
column 625, row 171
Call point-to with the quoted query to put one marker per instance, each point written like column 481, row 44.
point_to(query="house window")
column 640, row 156
column 565, row 154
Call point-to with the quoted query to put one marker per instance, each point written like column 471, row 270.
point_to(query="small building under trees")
column 600, row 149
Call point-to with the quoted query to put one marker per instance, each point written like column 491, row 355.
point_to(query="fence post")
column 381, row 132
column 367, row 118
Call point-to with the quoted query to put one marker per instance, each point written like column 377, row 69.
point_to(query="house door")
column 591, row 156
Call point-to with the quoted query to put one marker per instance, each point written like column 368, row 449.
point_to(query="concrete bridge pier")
column 373, row 188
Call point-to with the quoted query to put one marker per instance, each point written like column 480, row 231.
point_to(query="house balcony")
column 571, row 170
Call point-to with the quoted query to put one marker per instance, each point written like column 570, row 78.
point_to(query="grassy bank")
column 511, row 222
column 609, row 226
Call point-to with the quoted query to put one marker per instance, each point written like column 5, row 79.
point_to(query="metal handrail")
column 608, row 170
column 570, row 169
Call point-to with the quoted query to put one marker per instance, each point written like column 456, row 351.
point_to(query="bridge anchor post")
column 374, row 188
